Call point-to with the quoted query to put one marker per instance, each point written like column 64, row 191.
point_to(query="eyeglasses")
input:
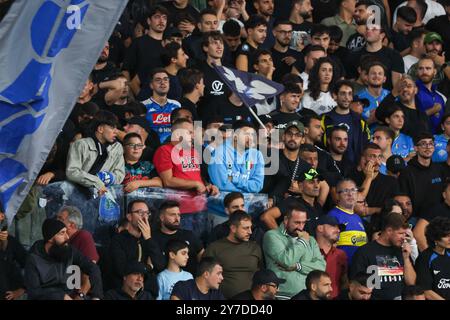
column 161, row 80
column 353, row 190
column 142, row 213
column 296, row 134
column 426, row 144
column 135, row 145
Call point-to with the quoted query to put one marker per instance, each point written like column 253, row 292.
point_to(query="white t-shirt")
column 408, row 61
column 434, row 9
column 324, row 103
column 305, row 78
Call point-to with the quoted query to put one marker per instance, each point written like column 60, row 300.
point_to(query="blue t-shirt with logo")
column 374, row 101
column 440, row 148
column 403, row 145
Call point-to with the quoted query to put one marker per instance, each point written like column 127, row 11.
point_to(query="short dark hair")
column 291, row 87
column 340, row 182
column 175, row 114
column 170, row 52
column 130, row 136
column 255, row 21
column 207, row 264
column 372, row 64
column 341, row 83
column 175, row 245
column 189, row 78
column 336, row 33
column 291, row 77
column 437, row 229
column 229, row 198
column 206, row 11
column 133, row 202
column 319, row 29
column 157, row 9
column 260, row 52
column 371, row 145
column 416, row 33
column 307, row 119
column 312, row 48
column 366, row 3
column 307, row 147
column 407, row 13
column 237, row 216
column 167, row 204
column 314, row 276
column 231, row 28
column 387, row 131
column 421, row 136
column 280, row 22
column 334, row 129
column 294, row 207
column 360, row 278
column 157, row 70
column 394, row 221
column 105, row 117
column 409, row 292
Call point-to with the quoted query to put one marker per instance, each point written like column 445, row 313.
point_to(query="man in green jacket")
column 292, row 253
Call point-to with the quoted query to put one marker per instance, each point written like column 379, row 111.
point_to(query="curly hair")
column 438, row 228
column 314, row 82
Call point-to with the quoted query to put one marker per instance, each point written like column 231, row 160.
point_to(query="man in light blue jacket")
column 236, row 165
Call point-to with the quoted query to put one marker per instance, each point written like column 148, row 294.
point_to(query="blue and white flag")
column 249, row 87
column 48, row 49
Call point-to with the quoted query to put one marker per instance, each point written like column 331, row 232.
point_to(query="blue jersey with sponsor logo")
column 159, row 116
column 440, row 148
column 403, row 145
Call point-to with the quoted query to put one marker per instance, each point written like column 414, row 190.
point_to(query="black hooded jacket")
column 47, row 278
column 422, row 184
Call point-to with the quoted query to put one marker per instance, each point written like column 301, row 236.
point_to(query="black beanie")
column 50, row 227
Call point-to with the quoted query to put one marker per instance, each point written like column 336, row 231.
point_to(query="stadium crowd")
column 359, row 201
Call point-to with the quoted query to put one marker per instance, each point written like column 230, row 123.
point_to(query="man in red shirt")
column 327, row 234
column 178, row 166
column 79, row 239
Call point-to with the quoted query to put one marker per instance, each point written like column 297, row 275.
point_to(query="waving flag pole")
column 48, row 49
column 249, row 87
